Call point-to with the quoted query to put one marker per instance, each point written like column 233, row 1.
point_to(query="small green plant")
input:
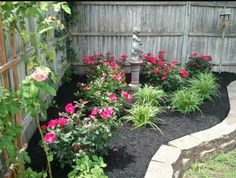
column 88, row 168
column 141, row 115
column 205, row 84
column 149, row 94
column 186, row 101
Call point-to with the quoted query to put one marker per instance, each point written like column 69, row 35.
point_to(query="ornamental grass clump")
column 150, row 94
column 205, row 84
column 186, row 101
column 142, row 115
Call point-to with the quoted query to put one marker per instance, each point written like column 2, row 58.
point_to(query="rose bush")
column 73, row 136
column 199, row 63
column 163, row 73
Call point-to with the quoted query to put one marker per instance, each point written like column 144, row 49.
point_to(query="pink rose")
column 161, row 63
column 70, row 108
column 94, row 111
column 127, row 96
column 50, row 137
column 117, row 77
column 87, row 88
column 39, row 75
column 62, row 121
column 52, row 124
column 113, row 97
column 107, row 113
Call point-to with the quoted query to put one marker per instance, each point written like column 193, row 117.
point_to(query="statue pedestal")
column 135, row 70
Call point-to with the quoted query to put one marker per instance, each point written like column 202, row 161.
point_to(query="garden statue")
column 136, row 46
column 136, row 59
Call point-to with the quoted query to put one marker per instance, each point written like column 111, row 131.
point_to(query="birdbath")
column 136, row 60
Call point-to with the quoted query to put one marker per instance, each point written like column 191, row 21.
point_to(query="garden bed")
column 131, row 151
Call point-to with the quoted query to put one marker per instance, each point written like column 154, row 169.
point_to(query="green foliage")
column 8, row 129
column 223, row 165
column 149, row 95
column 186, row 100
column 88, row 168
column 142, row 115
column 13, row 17
column 199, row 63
column 205, row 84
column 67, row 75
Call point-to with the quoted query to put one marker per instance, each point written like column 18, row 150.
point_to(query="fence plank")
column 3, row 57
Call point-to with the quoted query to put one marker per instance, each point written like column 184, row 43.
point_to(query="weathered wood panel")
column 179, row 27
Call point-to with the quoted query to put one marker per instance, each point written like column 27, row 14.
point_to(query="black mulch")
column 131, row 151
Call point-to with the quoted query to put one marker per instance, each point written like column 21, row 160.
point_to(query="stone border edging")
column 173, row 159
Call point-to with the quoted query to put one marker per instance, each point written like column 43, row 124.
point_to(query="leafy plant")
column 205, row 84
column 142, row 115
column 149, row 95
column 186, row 100
column 199, row 63
column 88, row 168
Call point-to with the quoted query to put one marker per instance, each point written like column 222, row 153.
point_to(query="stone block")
column 228, row 146
column 206, row 154
column 159, row 170
column 167, row 154
column 187, row 144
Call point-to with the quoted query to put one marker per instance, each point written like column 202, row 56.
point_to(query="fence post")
column 186, row 33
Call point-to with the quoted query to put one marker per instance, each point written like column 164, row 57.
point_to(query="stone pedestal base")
column 135, row 70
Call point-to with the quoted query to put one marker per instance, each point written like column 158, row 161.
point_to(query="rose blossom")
column 174, row 62
column 113, row 97
column 164, row 73
column 39, row 75
column 127, row 96
column 155, row 71
column 94, row 111
column 50, row 137
column 70, row 108
column 62, row 121
column 195, row 55
column 107, row 113
column 52, row 124
column 117, row 77
column 43, row 127
column 183, row 73
column 87, row 88
column 161, row 63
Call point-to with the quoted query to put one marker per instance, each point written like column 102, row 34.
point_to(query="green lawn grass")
column 221, row 166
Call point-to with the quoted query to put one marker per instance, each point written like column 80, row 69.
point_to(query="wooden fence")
column 178, row 27
column 12, row 73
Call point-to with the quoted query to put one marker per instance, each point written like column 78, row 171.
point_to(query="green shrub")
column 205, row 84
column 149, row 95
column 199, row 63
column 186, row 101
column 88, row 168
column 141, row 115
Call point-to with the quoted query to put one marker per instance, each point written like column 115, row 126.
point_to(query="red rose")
column 155, row 71
column 161, row 63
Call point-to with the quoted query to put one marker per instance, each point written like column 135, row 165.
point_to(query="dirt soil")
column 131, row 151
